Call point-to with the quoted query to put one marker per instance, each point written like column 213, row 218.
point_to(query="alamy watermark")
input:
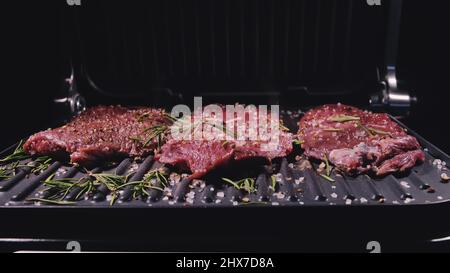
column 73, row 2
column 228, row 123
column 374, row 2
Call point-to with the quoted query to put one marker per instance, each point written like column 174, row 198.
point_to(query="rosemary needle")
column 327, row 178
column 344, row 118
column 246, row 184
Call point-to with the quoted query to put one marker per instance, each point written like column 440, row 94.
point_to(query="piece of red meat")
column 100, row 133
column 357, row 141
column 201, row 156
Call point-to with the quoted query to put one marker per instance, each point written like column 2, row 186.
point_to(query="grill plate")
column 420, row 186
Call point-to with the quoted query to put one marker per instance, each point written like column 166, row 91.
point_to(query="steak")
column 201, row 156
column 100, row 133
column 358, row 141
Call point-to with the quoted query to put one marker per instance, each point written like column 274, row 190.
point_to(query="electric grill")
column 292, row 53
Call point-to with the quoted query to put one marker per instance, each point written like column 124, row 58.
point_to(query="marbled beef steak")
column 100, row 133
column 358, row 141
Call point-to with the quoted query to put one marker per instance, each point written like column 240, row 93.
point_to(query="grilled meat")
column 357, row 141
column 99, row 133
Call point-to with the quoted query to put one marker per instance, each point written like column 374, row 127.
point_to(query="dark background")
column 32, row 62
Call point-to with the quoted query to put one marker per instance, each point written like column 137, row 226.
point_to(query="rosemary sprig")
column 274, row 182
column 60, row 188
column 18, row 154
column 150, row 181
column 327, row 174
column 344, row 118
column 254, row 203
column 4, row 173
column 50, row 201
column 333, row 130
column 298, row 142
column 157, row 132
column 283, row 127
column 38, row 165
column 328, row 166
column 327, row 177
column 360, row 125
column 378, row 132
column 246, row 184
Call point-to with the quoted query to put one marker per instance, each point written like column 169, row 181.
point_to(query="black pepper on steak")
column 100, row 133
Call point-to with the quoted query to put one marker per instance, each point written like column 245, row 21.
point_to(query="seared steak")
column 99, row 133
column 357, row 141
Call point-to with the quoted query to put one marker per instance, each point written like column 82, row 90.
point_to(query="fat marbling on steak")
column 100, row 133
column 357, row 141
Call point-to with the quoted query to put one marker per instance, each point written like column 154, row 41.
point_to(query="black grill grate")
column 294, row 188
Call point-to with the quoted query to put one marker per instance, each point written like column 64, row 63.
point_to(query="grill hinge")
column 391, row 98
column 72, row 101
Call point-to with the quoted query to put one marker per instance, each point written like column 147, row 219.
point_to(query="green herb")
column 327, row 174
column 50, row 201
column 378, row 132
column 274, row 182
column 327, row 177
column 328, row 166
column 365, row 129
column 18, row 154
column 38, row 165
column 255, row 203
column 150, row 181
column 60, row 188
column 298, row 142
column 155, row 132
column 246, row 184
column 333, row 130
column 283, row 128
column 344, row 118
column 4, row 173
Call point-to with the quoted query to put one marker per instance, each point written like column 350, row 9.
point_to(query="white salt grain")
column 408, row 200
column 405, row 184
column 220, row 194
column 299, row 180
column 279, row 195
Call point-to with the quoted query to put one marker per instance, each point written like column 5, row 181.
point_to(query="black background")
column 31, row 63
